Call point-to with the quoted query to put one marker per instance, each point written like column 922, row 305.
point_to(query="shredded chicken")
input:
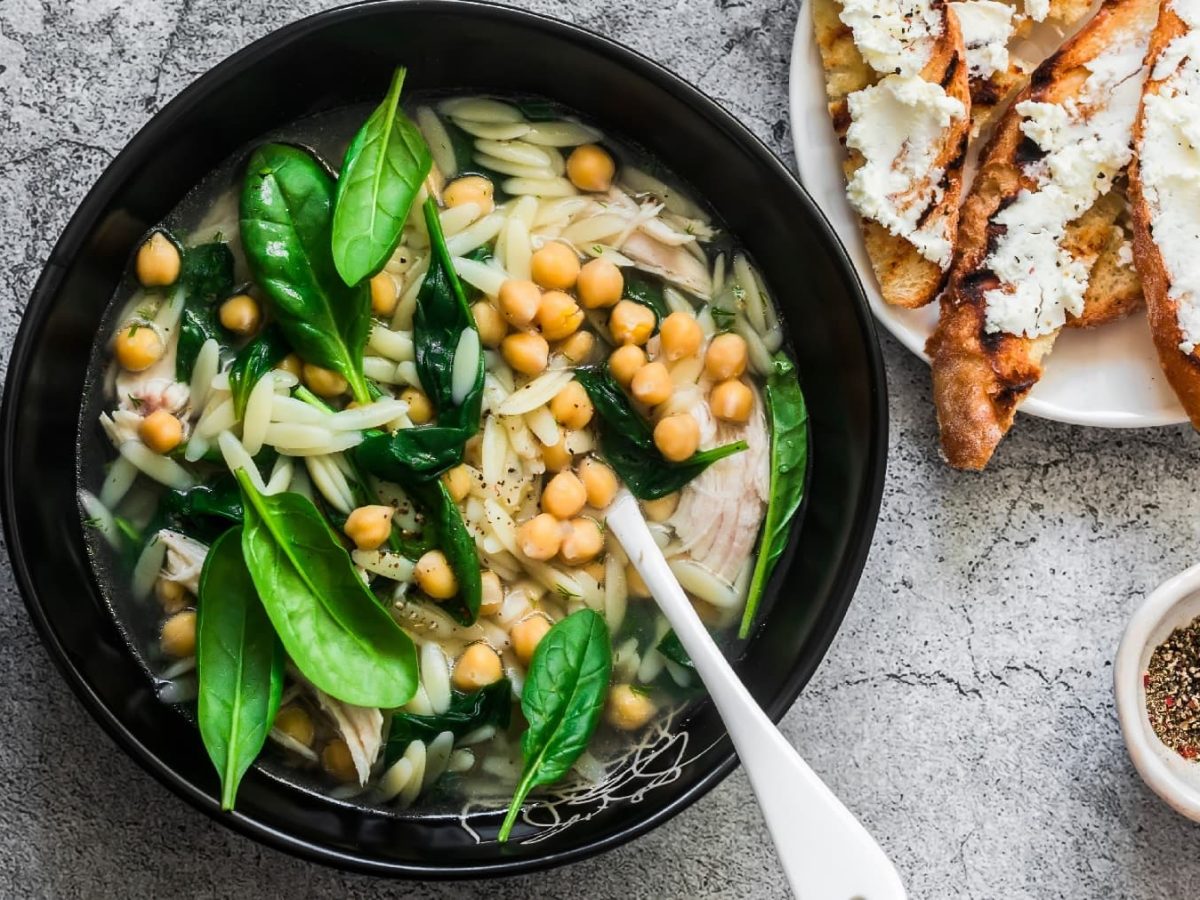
column 361, row 728
column 672, row 263
column 719, row 512
column 153, row 388
column 185, row 559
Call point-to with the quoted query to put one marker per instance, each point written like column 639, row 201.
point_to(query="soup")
column 366, row 426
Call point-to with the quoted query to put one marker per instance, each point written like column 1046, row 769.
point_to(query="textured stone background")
column 964, row 711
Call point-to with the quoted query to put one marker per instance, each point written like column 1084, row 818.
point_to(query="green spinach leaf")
column 206, row 278
column 286, row 217
column 628, row 442
column 788, row 415
column 239, row 665
column 562, row 701
column 490, row 705
column 332, row 627
column 383, row 170
column 254, row 361
column 442, row 315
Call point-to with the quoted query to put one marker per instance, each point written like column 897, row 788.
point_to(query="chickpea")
column 324, row 382
column 557, row 456
column 677, row 436
column 555, row 266
column 161, row 431
column 599, row 481
column 420, row 410
column 572, row 406
column 652, row 384
column 625, row 362
column 435, row 577
column 478, row 667
column 526, row 351
column 337, row 761
column 384, row 295
column 627, row 709
column 291, row 364
column 578, row 346
column 725, row 357
column 458, row 482
column 138, row 347
column 681, row 335
column 527, row 634
column 731, row 401
column 564, row 496
column 600, row 284
column 295, row 722
column 634, row 583
column 591, row 168
column 490, row 324
column 492, row 595
column 540, row 537
column 582, row 543
column 158, row 261
column 471, row 189
column 559, row 316
column 661, row 509
column 369, row 526
column 631, row 323
column 178, row 638
column 240, row 314
column 171, row 594
column 519, row 301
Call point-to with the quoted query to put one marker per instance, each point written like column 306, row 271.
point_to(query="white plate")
column 1108, row 377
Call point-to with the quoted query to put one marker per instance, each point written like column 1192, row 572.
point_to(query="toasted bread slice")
column 906, row 277
column 980, row 373
column 1160, row 273
column 990, row 29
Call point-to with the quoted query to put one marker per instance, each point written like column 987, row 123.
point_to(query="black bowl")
column 346, row 56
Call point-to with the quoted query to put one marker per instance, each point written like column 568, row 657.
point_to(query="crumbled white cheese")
column 986, row 28
column 1125, row 253
column 1037, row 9
column 893, row 36
column 897, row 125
column 1086, row 141
column 1170, row 171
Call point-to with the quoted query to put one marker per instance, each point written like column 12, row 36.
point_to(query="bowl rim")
column 79, row 226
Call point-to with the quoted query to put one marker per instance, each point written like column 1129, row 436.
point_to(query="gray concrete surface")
column 964, row 711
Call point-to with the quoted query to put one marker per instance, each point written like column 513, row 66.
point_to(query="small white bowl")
column 1174, row 603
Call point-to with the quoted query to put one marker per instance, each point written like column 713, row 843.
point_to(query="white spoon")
column 826, row 853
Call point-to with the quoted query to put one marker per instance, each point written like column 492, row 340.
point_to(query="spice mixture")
column 1173, row 690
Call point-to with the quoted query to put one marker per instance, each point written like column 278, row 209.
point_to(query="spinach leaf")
column 445, row 529
column 628, row 442
column 239, row 665
column 383, row 170
column 672, row 648
column 205, row 277
column 286, row 216
column 789, row 466
column 490, row 705
column 641, row 288
column 562, row 700
column 331, row 626
column 201, row 510
column 442, row 315
column 254, row 361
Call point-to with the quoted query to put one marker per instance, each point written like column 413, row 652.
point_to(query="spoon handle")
column 826, row 853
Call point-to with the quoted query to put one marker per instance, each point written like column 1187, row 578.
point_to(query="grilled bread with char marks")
column 906, row 278
column 1182, row 369
column 981, row 377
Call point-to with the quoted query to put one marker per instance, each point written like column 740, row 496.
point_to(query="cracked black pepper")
column 1172, row 684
